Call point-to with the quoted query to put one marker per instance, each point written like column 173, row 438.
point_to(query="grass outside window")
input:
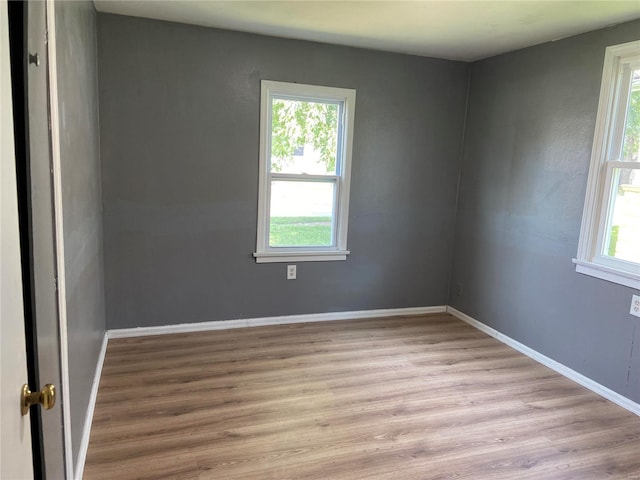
column 300, row 231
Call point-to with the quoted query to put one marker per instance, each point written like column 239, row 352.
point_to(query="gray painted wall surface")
column 526, row 157
column 179, row 119
column 82, row 204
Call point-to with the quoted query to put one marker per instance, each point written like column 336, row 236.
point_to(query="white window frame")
column 612, row 109
column 342, row 180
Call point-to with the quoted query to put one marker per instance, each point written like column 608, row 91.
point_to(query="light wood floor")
column 395, row 398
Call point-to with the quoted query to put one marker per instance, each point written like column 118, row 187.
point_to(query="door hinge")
column 34, row 59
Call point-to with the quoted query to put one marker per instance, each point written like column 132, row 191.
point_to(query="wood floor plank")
column 422, row 397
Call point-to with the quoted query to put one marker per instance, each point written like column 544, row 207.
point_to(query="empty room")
column 320, row 240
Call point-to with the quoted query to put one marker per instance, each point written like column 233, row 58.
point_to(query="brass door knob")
column 45, row 397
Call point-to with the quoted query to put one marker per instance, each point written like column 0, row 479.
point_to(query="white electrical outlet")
column 635, row 306
column 291, row 272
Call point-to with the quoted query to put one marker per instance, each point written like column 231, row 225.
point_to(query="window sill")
column 308, row 256
column 609, row 274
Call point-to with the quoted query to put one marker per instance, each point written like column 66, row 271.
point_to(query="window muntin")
column 305, row 159
column 609, row 246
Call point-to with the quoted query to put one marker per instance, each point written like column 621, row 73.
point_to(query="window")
column 609, row 246
column 305, row 165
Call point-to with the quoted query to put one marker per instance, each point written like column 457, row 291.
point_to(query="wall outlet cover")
column 291, row 272
column 635, row 306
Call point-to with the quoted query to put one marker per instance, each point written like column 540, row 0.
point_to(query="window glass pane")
column 301, row 214
column 304, row 136
column 631, row 142
column 622, row 239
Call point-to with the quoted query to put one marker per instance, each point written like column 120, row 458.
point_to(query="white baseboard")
column 281, row 320
column 86, row 431
column 595, row 387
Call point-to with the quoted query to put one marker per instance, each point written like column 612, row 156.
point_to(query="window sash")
column 303, row 178
column 620, row 108
column 340, row 152
column 606, row 217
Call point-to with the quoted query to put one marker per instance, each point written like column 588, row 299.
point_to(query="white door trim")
column 59, row 235
column 86, row 431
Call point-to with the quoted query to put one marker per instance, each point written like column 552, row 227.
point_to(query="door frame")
column 56, row 168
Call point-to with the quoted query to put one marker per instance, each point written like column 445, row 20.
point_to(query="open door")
column 33, row 167
column 15, row 433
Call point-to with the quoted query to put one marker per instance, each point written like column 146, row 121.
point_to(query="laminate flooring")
column 422, row 397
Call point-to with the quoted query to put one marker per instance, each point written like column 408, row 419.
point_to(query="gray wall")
column 82, row 204
column 526, row 157
column 179, row 119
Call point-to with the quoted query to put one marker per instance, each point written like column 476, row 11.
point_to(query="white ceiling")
column 457, row 30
